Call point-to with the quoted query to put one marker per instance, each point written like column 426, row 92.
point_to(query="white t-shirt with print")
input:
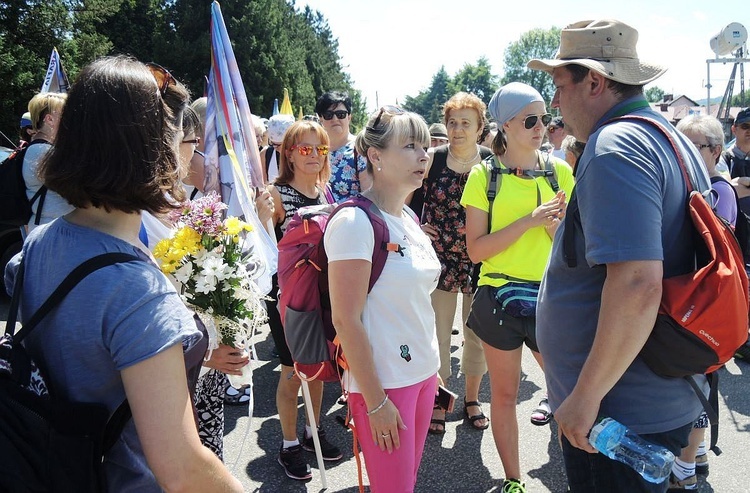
column 398, row 317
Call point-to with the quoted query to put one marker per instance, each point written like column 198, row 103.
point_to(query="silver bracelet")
column 379, row 406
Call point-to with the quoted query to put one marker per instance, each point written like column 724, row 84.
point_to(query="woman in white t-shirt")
column 388, row 335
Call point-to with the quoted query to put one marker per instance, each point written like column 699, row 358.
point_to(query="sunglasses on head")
column 306, row 150
column 340, row 114
column 162, row 76
column 388, row 110
column 530, row 121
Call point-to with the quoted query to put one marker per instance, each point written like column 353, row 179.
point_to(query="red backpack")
column 304, row 301
column 703, row 316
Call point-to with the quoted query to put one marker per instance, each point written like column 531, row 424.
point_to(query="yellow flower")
column 235, row 225
column 161, row 248
column 168, row 267
column 186, row 240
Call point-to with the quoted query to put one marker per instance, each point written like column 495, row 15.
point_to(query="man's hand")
column 575, row 417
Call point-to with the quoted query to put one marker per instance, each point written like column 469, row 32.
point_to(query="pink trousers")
column 396, row 472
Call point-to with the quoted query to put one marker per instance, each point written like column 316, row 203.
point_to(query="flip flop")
column 477, row 417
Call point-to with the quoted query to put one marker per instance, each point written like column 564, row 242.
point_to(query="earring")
column 380, row 169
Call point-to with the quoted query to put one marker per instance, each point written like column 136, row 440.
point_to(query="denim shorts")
column 497, row 328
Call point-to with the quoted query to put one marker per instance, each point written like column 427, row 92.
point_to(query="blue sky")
column 392, row 48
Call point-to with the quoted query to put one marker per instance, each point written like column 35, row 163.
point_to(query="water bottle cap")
column 598, row 428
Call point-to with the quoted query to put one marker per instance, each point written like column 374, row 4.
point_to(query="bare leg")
column 286, row 402
column 505, row 369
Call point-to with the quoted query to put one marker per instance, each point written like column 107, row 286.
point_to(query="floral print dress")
column 344, row 177
column 443, row 210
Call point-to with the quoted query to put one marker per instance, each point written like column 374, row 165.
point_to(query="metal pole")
column 708, row 87
column 314, row 427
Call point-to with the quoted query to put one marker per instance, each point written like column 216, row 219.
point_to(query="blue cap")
column 26, row 120
column 743, row 116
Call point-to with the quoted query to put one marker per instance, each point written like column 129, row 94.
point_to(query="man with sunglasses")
column 736, row 160
column 556, row 133
column 600, row 296
column 347, row 178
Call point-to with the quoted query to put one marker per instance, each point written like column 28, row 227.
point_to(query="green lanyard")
column 629, row 108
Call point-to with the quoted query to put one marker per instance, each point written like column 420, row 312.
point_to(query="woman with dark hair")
column 348, row 175
column 303, row 181
column 388, row 333
column 512, row 237
column 115, row 156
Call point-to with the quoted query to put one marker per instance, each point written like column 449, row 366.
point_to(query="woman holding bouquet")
column 303, row 174
column 130, row 342
column 387, row 335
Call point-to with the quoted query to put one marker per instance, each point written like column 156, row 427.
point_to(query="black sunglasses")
column 340, row 114
column 530, row 121
column 390, row 110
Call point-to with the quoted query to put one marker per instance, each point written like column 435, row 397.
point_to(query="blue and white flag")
column 56, row 80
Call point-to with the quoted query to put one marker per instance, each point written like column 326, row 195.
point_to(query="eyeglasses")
column 530, row 121
column 275, row 145
column 163, row 78
column 745, row 126
column 195, row 141
column 340, row 114
column 305, row 150
column 389, row 110
column 700, row 147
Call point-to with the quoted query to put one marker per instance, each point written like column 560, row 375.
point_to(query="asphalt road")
column 464, row 459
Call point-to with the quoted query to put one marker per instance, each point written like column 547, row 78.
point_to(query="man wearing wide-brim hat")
column 597, row 306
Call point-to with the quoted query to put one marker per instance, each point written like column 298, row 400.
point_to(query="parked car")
column 10, row 236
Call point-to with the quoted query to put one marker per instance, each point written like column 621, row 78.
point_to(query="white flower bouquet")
column 207, row 257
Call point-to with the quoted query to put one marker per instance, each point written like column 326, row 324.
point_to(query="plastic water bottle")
column 617, row 442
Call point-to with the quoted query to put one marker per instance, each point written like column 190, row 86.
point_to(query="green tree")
column 477, row 79
column 654, row 94
column 277, row 46
column 537, row 43
column 429, row 103
column 29, row 29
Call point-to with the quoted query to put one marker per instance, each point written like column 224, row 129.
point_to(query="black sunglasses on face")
column 530, row 121
column 340, row 114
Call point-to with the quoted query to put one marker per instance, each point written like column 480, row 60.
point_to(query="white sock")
column 702, row 450
column 308, row 431
column 290, row 444
column 683, row 470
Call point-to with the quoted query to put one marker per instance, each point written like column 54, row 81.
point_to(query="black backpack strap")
column 551, row 178
column 194, row 193
column 72, row 279
column 115, row 425
column 494, row 181
column 572, row 216
column 269, row 154
column 710, row 405
column 122, row 414
column 40, row 194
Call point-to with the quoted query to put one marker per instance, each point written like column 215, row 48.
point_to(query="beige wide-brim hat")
column 604, row 46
